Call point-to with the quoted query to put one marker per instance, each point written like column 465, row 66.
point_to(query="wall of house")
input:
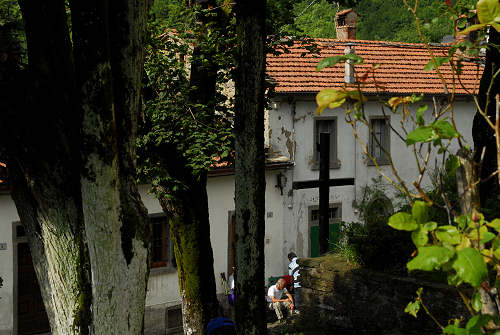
column 221, row 205
column 292, row 134
column 163, row 288
column 7, row 218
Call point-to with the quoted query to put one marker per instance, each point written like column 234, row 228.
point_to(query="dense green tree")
column 313, row 20
column 390, row 20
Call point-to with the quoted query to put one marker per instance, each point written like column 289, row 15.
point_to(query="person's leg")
column 296, row 298
column 287, row 306
column 277, row 309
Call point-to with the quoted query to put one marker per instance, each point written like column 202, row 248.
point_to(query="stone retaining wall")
column 351, row 300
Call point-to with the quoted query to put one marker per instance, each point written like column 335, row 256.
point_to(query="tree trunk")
column 116, row 223
column 249, row 167
column 482, row 133
column 187, row 206
column 39, row 134
column 190, row 231
column 69, row 138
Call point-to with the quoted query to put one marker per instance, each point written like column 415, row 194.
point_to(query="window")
column 325, row 125
column 161, row 245
column 335, row 216
column 379, row 140
column 173, row 320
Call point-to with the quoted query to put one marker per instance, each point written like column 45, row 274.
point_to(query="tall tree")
column 249, row 166
column 185, row 129
column 68, row 130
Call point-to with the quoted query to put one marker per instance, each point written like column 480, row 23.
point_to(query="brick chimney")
column 345, row 24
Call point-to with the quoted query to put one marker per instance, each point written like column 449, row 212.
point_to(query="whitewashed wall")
column 8, row 215
column 292, row 134
column 221, row 202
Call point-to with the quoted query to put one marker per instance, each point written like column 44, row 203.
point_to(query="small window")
column 379, row 140
column 325, row 125
column 173, row 318
column 161, row 246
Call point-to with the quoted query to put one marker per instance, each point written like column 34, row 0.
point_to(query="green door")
column 333, row 238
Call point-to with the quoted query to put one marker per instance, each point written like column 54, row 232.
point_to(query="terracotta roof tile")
column 401, row 68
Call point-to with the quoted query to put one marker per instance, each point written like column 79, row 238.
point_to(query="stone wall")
column 348, row 299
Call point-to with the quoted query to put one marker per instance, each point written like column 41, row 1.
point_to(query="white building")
column 292, row 128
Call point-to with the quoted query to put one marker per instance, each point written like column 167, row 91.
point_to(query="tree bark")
column 69, row 137
column 44, row 170
column 190, row 231
column 116, row 223
column 187, row 206
column 249, row 167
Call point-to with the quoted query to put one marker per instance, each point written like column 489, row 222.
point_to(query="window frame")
column 334, row 161
column 168, row 261
column 381, row 160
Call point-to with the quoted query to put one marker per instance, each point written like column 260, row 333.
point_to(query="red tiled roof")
column 401, row 68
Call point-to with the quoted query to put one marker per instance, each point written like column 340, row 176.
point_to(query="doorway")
column 31, row 315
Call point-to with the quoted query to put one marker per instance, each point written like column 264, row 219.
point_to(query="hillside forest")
column 384, row 20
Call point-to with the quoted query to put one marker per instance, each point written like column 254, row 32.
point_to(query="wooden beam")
column 301, row 185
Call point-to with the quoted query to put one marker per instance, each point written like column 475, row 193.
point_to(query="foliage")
column 12, row 37
column 196, row 135
column 463, row 245
column 390, row 20
column 316, row 20
column 172, row 14
column 371, row 242
column 311, row 18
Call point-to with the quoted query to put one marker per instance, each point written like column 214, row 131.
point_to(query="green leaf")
column 332, row 61
column 420, row 115
column 420, row 237
column 454, row 329
column 453, row 279
column 476, row 302
column 470, row 266
column 496, row 253
column 439, row 61
column 421, row 134
column 412, row 308
column 357, row 59
column 476, row 322
column 444, row 129
column 329, row 62
column 486, row 237
column 448, row 234
column 430, row 258
column 420, row 212
column 488, row 12
column 430, row 226
column 452, row 164
column 403, row 221
column 495, row 224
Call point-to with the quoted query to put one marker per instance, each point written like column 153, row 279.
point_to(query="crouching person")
column 274, row 297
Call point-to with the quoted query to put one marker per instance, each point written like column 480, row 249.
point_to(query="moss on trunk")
column 190, row 231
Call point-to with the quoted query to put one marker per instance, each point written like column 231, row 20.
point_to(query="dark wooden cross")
column 324, row 183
